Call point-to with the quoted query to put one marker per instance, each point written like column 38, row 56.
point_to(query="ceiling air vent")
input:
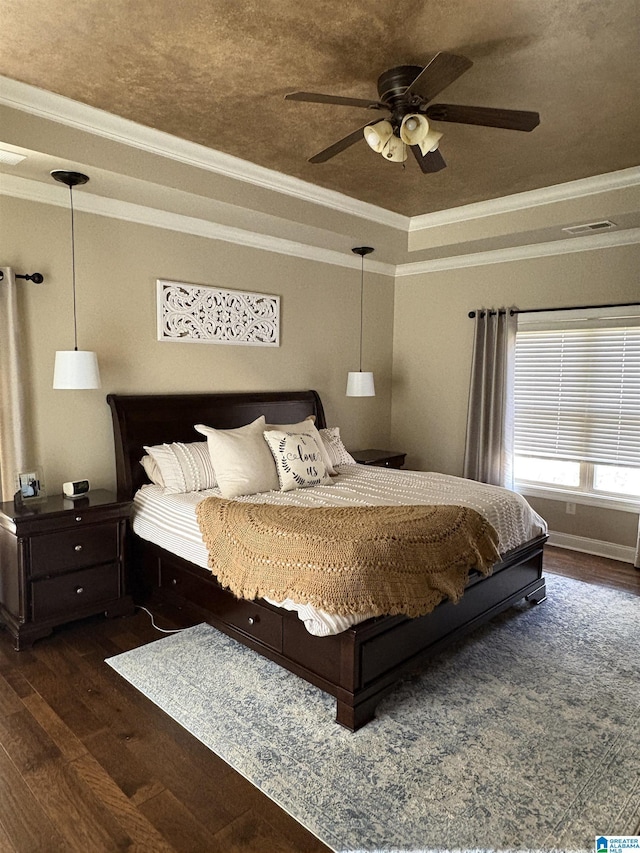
column 10, row 158
column 590, row 227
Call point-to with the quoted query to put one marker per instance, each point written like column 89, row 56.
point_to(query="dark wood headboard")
column 140, row 419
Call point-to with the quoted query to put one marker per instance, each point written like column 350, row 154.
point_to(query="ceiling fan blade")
column 443, row 69
column 432, row 161
column 340, row 145
column 487, row 116
column 318, row 98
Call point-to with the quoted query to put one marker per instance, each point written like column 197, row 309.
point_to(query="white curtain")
column 489, row 442
column 15, row 433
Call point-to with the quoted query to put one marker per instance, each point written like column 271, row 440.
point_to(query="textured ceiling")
column 216, row 73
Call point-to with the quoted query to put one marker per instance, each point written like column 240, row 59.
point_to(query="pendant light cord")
column 361, row 304
column 362, row 251
column 73, row 273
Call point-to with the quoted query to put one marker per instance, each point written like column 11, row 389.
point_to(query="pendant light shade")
column 360, row 383
column 74, row 369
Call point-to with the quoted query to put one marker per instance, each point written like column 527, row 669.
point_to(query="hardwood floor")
column 591, row 569
column 88, row 764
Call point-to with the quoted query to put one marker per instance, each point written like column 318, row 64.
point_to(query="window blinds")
column 577, row 392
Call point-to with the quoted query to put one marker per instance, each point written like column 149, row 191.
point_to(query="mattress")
column 170, row 520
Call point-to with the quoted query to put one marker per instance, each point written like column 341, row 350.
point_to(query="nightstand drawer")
column 72, row 549
column 392, row 462
column 379, row 458
column 59, row 596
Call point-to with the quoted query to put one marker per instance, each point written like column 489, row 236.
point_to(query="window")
column 577, row 402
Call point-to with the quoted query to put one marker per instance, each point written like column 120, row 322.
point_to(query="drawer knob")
column 78, row 518
column 252, row 620
column 78, row 548
column 174, row 582
column 79, row 590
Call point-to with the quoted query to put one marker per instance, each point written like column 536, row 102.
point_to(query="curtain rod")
column 513, row 311
column 35, row 277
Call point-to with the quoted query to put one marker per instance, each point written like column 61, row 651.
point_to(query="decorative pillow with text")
column 298, row 459
column 307, row 425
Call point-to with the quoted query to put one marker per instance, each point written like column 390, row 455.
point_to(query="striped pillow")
column 338, row 453
column 184, row 467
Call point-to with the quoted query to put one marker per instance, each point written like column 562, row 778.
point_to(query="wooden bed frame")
column 358, row 666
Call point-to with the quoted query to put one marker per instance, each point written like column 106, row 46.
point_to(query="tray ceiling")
column 216, row 74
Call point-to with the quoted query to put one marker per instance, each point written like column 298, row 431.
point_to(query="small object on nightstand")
column 379, row 458
column 62, row 559
column 75, row 488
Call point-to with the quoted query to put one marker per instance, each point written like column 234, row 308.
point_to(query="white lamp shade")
column 377, row 135
column 360, row 384
column 76, row 370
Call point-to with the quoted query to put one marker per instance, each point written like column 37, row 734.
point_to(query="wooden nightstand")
column 61, row 559
column 380, row 458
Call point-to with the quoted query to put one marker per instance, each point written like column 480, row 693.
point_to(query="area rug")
column 525, row 736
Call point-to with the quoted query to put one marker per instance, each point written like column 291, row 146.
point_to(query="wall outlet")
column 571, row 508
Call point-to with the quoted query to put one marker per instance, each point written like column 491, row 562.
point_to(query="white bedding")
column 170, row 520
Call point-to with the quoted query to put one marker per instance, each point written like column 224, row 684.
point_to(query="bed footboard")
column 361, row 665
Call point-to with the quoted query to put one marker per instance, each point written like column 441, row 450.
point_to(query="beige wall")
column 589, row 522
column 117, row 264
column 423, row 331
column 433, row 344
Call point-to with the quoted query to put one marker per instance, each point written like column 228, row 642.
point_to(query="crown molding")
column 527, row 200
column 87, row 202
column 53, row 107
column 588, row 243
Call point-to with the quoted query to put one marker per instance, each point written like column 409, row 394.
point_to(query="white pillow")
column 152, row 470
column 298, row 459
column 241, row 459
column 338, row 453
column 182, row 467
column 307, row 425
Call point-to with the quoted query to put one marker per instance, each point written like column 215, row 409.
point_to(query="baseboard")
column 624, row 553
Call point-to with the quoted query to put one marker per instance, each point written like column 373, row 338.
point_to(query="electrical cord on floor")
column 163, row 630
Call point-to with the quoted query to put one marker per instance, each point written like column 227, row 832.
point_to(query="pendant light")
column 359, row 383
column 74, row 369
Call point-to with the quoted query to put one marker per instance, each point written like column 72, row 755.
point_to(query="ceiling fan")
column 405, row 92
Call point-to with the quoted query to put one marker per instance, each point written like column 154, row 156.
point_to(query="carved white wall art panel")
column 193, row 312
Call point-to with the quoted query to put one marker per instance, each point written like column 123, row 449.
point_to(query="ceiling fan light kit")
column 405, row 92
column 413, row 129
column 395, row 150
column 377, row 135
column 430, row 143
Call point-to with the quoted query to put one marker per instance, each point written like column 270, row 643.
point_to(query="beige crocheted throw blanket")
column 347, row 560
